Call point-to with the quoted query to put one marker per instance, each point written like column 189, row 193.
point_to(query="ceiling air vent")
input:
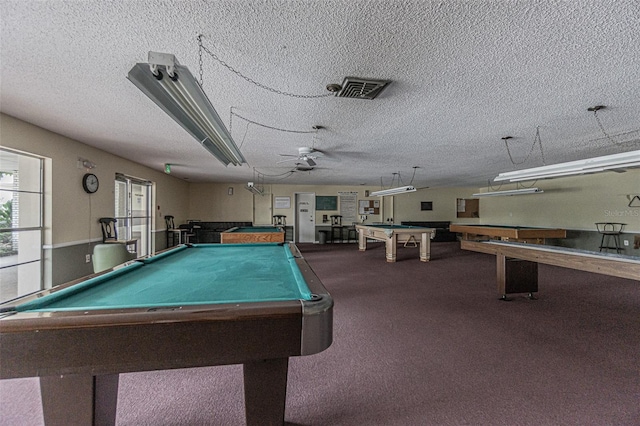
column 361, row 88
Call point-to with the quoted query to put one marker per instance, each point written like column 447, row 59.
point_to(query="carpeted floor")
column 422, row 344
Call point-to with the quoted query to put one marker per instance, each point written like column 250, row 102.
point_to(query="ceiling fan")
column 305, row 154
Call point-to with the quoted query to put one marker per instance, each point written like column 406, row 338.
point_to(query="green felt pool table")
column 394, row 234
column 193, row 306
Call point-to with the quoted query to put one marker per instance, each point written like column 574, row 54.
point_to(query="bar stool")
column 336, row 228
column 609, row 231
column 279, row 220
column 172, row 231
column 352, row 231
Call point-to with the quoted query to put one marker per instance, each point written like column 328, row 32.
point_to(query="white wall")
column 572, row 202
column 74, row 213
column 211, row 202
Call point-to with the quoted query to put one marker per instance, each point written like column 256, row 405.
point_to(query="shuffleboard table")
column 517, row 263
column 394, row 234
column 524, row 234
column 253, row 234
column 192, row 306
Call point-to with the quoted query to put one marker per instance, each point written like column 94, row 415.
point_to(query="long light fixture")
column 393, row 191
column 174, row 89
column 509, row 192
column 252, row 188
column 590, row 165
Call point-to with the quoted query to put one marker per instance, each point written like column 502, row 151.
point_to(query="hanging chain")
column 200, row 56
column 595, row 114
column 544, row 162
column 536, row 139
column 270, row 127
column 250, row 80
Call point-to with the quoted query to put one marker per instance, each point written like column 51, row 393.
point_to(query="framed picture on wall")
column 426, row 205
column 282, row 202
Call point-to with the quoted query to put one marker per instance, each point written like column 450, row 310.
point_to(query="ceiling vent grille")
column 361, row 88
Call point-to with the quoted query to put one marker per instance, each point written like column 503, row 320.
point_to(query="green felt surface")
column 202, row 274
column 251, row 229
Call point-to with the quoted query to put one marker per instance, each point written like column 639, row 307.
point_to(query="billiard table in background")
column 391, row 235
column 253, row 234
column 517, row 263
column 524, row 234
column 192, row 306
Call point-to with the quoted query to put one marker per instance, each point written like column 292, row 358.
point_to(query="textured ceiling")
column 464, row 75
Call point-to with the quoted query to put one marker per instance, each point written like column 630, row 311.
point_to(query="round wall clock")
column 90, row 183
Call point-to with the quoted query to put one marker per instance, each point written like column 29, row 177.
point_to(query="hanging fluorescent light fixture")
column 393, row 191
column 509, row 192
column 590, row 165
column 174, row 89
column 252, row 188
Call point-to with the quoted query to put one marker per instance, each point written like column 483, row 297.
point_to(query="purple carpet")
column 422, row 344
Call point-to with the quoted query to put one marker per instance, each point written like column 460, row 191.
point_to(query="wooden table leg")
column 425, row 247
column 362, row 240
column 76, row 399
column 265, row 391
column 516, row 276
column 390, row 247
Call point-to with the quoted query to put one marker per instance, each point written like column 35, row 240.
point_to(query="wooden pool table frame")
column 532, row 254
column 78, row 355
column 506, row 233
column 392, row 237
column 232, row 236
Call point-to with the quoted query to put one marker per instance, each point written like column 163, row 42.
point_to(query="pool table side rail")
column 35, row 345
column 564, row 257
column 403, row 234
column 125, row 342
column 508, row 232
column 317, row 314
column 237, row 235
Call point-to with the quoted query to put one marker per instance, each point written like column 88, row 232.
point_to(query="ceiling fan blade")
column 287, row 160
column 287, row 155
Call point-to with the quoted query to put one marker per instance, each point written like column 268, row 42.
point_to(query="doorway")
column 133, row 211
column 305, row 217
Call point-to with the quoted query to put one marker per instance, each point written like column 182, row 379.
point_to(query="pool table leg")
column 516, row 276
column 425, row 247
column 77, row 399
column 390, row 247
column 362, row 240
column 265, row 391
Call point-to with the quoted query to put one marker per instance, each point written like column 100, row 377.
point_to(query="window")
column 21, row 218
